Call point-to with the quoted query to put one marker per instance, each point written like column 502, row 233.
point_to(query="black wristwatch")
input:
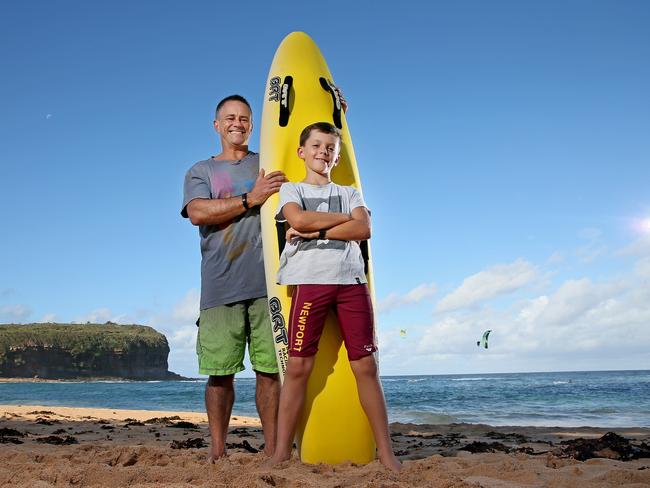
column 244, row 200
column 321, row 234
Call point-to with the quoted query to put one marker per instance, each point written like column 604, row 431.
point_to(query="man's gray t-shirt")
column 232, row 265
column 315, row 261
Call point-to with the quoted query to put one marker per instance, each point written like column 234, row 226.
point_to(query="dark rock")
column 451, row 440
column 6, row 432
column 59, row 441
column 611, row 446
column 478, row 446
column 241, row 432
column 193, row 443
column 10, row 440
column 184, row 425
column 162, row 420
column 512, row 437
column 44, row 421
column 243, row 445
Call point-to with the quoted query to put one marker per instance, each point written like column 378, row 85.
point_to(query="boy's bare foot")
column 268, row 452
column 391, row 462
column 276, row 459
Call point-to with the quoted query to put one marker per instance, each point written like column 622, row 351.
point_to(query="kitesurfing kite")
column 484, row 340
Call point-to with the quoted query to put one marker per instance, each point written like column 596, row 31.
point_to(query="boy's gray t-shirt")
column 232, row 263
column 315, row 261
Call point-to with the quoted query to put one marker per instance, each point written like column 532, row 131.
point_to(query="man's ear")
column 215, row 124
column 301, row 152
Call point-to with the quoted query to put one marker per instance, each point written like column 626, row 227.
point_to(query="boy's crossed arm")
column 343, row 227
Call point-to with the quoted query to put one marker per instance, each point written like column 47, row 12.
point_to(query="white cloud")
column 573, row 299
column 417, row 294
column 590, row 233
column 14, row 313
column 639, row 248
column 590, row 252
column 48, row 318
column 492, row 282
column 578, row 324
column 179, row 326
column 187, row 308
column 103, row 315
column 555, row 258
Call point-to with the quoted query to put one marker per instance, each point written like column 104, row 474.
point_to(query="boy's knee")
column 366, row 366
column 300, row 367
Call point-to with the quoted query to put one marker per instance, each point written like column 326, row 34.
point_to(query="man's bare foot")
column 214, row 456
column 391, row 462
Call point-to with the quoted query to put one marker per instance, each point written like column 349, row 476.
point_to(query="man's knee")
column 225, row 381
column 266, row 378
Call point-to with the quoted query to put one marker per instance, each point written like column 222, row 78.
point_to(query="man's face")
column 320, row 152
column 234, row 123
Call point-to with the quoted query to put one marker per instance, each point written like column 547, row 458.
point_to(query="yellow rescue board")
column 333, row 427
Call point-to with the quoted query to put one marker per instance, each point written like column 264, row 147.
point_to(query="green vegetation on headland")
column 72, row 351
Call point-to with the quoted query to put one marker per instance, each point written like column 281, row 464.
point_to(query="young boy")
column 323, row 258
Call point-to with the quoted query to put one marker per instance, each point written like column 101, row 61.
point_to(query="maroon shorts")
column 309, row 307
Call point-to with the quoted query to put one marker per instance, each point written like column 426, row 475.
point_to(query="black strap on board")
column 366, row 255
column 282, row 236
column 328, row 86
column 285, row 110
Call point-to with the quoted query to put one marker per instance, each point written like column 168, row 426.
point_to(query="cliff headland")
column 75, row 351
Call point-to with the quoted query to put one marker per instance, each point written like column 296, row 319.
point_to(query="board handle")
column 365, row 253
column 329, row 87
column 285, row 110
column 281, row 230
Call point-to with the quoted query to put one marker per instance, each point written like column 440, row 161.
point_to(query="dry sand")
column 59, row 446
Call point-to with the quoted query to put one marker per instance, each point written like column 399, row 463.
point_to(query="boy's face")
column 234, row 123
column 320, row 152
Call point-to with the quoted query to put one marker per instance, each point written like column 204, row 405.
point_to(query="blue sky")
column 503, row 148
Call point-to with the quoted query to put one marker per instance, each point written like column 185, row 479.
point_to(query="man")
column 223, row 195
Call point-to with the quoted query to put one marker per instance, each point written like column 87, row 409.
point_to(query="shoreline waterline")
column 615, row 399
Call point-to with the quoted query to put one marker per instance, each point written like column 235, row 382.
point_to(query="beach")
column 46, row 446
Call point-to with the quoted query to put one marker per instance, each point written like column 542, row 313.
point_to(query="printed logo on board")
column 279, row 328
column 274, row 89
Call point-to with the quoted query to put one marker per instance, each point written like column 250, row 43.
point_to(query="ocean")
column 563, row 399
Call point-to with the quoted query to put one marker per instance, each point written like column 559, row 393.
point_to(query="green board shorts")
column 224, row 332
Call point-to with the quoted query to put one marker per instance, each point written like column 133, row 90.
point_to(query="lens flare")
column 645, row 226
column 642, row 226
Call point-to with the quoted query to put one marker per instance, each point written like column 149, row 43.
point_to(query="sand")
column 58, row 446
